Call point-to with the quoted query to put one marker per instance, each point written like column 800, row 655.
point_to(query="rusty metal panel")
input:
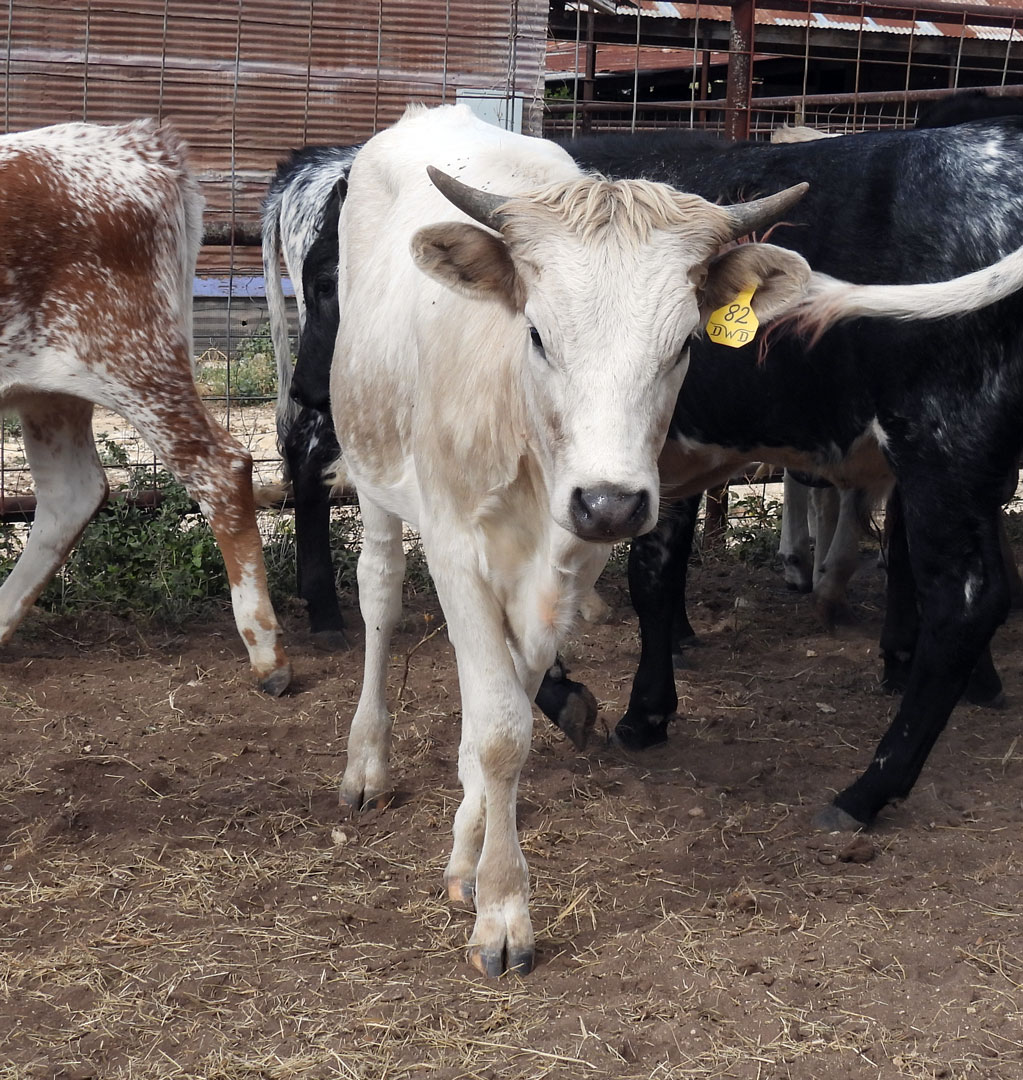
column 246, row 82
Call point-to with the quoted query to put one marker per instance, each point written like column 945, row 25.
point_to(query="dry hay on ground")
column 182, row 898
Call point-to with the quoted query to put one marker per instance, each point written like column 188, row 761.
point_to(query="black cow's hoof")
column 834, row 819
column 329, row 640
column 641, row 735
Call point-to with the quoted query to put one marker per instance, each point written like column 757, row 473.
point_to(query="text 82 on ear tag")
column 735, row 324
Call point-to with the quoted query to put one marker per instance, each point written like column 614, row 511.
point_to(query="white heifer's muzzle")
column 606, row 513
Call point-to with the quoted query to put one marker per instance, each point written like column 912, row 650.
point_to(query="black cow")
column 936, row 405
column 966, row 106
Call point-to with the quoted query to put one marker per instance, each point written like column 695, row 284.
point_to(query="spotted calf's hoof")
column 277, row 681
column 834, row 819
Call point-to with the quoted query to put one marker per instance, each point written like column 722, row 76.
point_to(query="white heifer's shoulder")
column 455, row 358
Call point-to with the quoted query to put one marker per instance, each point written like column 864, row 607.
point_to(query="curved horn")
column 481, row 205
column 759, row 212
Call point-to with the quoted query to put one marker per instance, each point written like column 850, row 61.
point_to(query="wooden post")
column 715, row 518
column 739, row 90
column 738, row 96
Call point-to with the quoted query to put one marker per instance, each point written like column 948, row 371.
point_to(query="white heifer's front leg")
column 497, row 722
column 381, row 570
column 70, row 486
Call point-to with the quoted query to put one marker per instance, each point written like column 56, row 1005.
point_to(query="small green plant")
column 754, row 528
column 161, row 562
column 251, row 374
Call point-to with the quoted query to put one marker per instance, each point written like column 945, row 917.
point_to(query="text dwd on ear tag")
column 734, row 324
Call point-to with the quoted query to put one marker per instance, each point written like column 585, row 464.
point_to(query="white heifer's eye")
column 534, row 337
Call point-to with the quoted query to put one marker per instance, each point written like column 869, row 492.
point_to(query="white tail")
column 828, row 301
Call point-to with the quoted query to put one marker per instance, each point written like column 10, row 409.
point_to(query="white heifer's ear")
column 469, row 260
column 780, row 277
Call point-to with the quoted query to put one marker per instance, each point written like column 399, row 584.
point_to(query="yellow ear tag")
column 734, row 324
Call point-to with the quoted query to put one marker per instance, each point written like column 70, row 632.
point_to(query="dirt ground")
column 180, row 895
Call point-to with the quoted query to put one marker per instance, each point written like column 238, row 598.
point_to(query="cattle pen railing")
column 570, row 66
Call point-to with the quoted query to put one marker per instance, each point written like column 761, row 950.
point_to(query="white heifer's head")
column 609, row 281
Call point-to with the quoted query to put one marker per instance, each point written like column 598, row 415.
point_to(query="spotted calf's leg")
column 381, row 570
column 217, row 472
column 70, row 486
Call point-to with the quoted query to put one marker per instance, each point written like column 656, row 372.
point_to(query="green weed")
column 754, row 529
column 250, row 374
column 162, row 563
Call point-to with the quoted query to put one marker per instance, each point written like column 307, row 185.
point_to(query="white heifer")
column 503, row 379
column 100, row 227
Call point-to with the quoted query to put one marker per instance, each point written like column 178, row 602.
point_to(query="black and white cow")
column 821, row 526
column 300, row 215
column 966, row 106
column 934, row 405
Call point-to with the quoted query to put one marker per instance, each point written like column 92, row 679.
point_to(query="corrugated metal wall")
column 245, row 81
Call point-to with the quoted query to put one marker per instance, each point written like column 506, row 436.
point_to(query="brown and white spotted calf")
column 100, row 227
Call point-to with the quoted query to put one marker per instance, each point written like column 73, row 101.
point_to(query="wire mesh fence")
column 246, row 82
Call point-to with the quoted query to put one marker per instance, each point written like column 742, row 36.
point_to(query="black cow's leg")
column 902, row 622
column 962, row 596
column 311, row 448
column 658, row 563
column 569, row 705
